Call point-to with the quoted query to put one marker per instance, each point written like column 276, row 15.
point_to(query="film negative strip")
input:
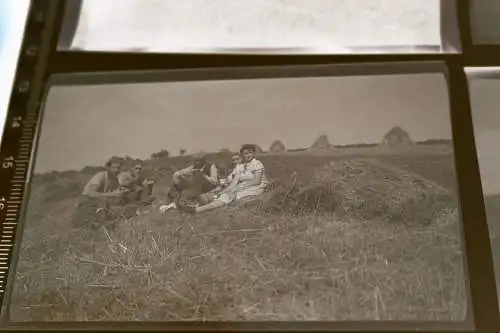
column 119, row 93
column 20, row 124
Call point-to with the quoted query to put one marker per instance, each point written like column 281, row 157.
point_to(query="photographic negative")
column 321, row 193
column 484, row 19
column 235, row 26
column 484, row 87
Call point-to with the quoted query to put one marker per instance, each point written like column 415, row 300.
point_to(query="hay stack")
column 367, row 190
column 277, row 147
column 321, row 144
column 397, row 136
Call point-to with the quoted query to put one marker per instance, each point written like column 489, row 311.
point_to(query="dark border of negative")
column 392, row 68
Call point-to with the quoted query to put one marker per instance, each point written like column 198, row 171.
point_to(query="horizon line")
column 149, row 158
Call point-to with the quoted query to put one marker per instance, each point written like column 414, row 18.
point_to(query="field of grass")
column 362, row 234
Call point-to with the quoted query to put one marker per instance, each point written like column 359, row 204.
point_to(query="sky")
column 485, row 101
column 331, row 26
column 85, row 125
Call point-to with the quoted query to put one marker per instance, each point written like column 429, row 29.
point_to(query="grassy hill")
column 369, row 233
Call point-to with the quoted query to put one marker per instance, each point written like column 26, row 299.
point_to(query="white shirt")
column 248, row 171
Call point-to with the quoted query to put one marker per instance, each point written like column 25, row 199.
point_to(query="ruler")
column 21, row 124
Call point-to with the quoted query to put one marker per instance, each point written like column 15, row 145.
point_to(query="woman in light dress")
column 248, row 179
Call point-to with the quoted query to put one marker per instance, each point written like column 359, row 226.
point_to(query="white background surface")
column 13, row 14
column 330, row 25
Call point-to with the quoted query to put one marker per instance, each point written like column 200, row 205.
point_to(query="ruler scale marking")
column 23, row 119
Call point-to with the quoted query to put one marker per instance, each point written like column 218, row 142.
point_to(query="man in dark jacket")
column 193, row 183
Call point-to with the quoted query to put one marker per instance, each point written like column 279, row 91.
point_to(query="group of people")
column 110, row 188
column 195, row 189
column 199, row 188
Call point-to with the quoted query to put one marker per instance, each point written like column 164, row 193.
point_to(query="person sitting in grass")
column 193, row 184
column 136, row 187
column 98, row 194
column 248, row 180
column 224, row 182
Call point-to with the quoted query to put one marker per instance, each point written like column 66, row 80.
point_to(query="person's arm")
column 256, row 178
column 233, row 173
column 94, row 184
column 228, row 179
column 182, row 173
column 102, row 195
column 109, row 195
column 234, row 182
column 212, row 179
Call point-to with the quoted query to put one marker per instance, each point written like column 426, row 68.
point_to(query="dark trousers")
column 86, row 211
column 142, row 194
column 190, row 188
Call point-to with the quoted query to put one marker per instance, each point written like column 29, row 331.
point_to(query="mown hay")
column 277, row 147
column 321, row 144
column 397, row 136
column 364, row 189
column 250, row 264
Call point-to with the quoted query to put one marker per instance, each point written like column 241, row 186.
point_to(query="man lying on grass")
column 248, row 180
column 194, row 183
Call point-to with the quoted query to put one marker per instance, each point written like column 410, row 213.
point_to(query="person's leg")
column 191, row 209
column 193, row 192
column 144, row 195
column 137, row 193
column 223, row 200
column 204, row 185
column 206, row 198
column 148, row 189
column 174, row 191
column 90, row 212
column 85, row 213
column 212, row 205
column 198, row 183
column 253, row 191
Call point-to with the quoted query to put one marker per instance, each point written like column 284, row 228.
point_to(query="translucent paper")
column 292, row 26
column 485, row 21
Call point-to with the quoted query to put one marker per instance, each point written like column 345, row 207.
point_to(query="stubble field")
column 355, row 234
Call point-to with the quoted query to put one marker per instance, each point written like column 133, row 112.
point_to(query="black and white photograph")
column 244, row 198
column 484, row 90
column 292, row 26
